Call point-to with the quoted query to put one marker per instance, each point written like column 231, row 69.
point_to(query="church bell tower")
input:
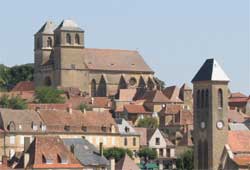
column 210, row 87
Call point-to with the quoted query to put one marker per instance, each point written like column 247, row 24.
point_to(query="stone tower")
column 186, row 96
column 43, row 43
column 210, row 88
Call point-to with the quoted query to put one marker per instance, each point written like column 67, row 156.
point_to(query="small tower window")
column 77, row 39
column 198, row 99
column 220, row 98
column 206, row 99
column 68, row 39
column 49, row 42
column 202, row 98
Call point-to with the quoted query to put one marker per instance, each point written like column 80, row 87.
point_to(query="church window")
column 68, row 39
column 150, row 84
column 220, row 98
column 49, row 42
column 207, row 99
column 142, row 83
column 198, row 99
column 93, row 88
column 122, row 83
column 102, row 89
column 132, row 81
column 202, row 98
column 77, row 39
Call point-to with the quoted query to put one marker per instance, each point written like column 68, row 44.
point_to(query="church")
column 61, row 60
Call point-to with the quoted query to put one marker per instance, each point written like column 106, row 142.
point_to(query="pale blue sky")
column 175, row 37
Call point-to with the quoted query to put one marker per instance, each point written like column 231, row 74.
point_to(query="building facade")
column 61, row 59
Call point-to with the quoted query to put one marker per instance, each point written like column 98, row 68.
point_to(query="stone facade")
column 61, row 59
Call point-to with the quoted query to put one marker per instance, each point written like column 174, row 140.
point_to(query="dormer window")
column 126, row 129
column 43, row 127
column 11, row 126
column 67, row 128
column 68, row 39
column 84, row 128
column 34, row 126
column 47, row 159
column 77, row 39
column 62, row 159
column 104, row 129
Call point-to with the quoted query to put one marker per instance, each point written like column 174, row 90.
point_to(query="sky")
column 175, row 37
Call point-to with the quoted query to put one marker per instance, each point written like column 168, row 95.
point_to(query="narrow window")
column 202, row 98
column 93, row 88
column 68, row 39
column 49, row 42
column 220, row 98
column 134, row 141
column 77, row 39
column 125, row 141
column 207, row 99
column 198, row 99
column 157, row 141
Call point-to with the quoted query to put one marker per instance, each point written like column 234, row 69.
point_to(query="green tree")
column 148, row 122
column 185, row 161
column 84, row 106
column 49, row 95
column 160, row 83
column 15, row 102
column 117, row 153
column 147, row 154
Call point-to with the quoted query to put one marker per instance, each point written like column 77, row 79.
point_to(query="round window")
column 132, row 81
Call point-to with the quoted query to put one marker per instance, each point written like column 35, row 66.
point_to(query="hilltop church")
column 61, row 60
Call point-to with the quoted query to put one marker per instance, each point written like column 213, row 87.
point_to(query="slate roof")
column 50, row 148
column 237, row 126
column 69, row 25
column 126, row 163
column 86, row 153
column 210, row 71
column 22, row 120
column 122, row 124
column 48, row 28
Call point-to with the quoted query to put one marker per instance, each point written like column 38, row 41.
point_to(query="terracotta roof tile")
column 242, row 138
column 24, row 86
column 237, row 95
column 186, row 117
column 127, row 94
column 235, row 116
column 132, row 108
column 155, row 96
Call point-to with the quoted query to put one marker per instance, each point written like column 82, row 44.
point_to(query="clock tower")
column 210, row 86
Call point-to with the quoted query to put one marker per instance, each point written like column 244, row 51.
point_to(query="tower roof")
column 69, row 25
column 48, row 28
column 210, row 71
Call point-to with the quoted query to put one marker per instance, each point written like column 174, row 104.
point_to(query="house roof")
column 171, row 109
column 210, row 71
column 242, row 138
column 51, row 149
column 186, row 117
column 235, row 116
column 172, row 93
column 126, row 163
column 237, row 95
column 155, row 96
column 237, row 126
column 138, row 109
column 19, row 120
column 122, row 125
column 48, row 28
column 24, row 86
column 127, row 94
column 85, row 152
column 116, row 60
column 242, row 160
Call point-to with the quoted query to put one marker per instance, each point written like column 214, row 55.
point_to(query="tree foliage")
column 117, row 153
column 147, row 154
column 10, row 76
column 161, row 83
column 49, row 95
column 15, row 102
column 84, row 106
column 148, row 122
column 185, row 161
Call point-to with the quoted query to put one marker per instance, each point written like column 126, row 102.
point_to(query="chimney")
column 101, row 148
column 69, row 108
column 92, row 100
column 5, row 160
column 26, row 155
column 112, row 163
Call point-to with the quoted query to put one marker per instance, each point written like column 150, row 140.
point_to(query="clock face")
column 220, row 124
column 203, row 125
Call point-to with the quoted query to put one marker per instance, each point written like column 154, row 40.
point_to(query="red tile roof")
column 48, row 106
column 52, row 148
column 24, row 86
column 186, row 117
column 173, row 93
column 235, row 116
column 132, row 108
column 242, row 160
column 127, row 94
column 237, row 95
column 171, row 109
column 239, row 141
column 155, row 96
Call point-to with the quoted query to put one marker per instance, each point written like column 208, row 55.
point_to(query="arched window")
column 150, row 84
column 207, row 99
column 102, row 88
column 122, row 83
column 49, row 42
column 198, row 99
column 77, row 39
column 93, row 88
column 68, row 39
column 220, row 98
column 142, row 83
column 47, row 81
column 202, row 98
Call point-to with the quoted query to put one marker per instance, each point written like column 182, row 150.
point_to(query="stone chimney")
column 26, row 154
column 112, row 163
column 101, row 148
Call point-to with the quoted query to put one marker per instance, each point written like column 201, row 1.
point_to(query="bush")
column 148, row 122
column 15, row 102
column 185, row 161
column 49, row 95
column 147, row 154
column 117, row 153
